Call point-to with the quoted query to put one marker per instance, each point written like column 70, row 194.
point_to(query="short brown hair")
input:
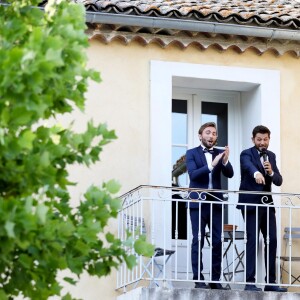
column 205, row 125
column 260, row 129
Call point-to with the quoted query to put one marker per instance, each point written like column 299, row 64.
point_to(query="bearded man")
column 205, row 164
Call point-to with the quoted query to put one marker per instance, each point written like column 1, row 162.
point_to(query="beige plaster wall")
column 122, row 100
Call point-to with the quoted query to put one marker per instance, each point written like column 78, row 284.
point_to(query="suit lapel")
column 201, row 156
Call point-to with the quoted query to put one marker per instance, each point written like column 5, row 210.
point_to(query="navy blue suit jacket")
column 199, row 172
column 250, row 163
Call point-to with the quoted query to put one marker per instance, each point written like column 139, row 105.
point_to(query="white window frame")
column 260, row 104
column 260, row 101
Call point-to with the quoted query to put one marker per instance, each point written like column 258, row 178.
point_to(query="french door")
column 190, row 109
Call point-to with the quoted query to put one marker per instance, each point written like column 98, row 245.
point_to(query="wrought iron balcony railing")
column 163, row 215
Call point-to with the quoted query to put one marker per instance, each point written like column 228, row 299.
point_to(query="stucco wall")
column 122, row 101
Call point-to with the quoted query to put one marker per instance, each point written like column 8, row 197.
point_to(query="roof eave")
column 192, row 25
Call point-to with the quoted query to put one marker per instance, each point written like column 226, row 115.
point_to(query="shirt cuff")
column 255, row 173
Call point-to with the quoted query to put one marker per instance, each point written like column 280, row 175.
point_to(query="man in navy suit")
column 205, row 165
column 258, row 172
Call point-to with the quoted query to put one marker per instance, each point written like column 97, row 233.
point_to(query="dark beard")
column 209, row 146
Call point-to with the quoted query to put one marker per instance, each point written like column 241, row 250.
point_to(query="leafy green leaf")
column 41, row 212
column 70, row 280
column 113, row 186
column 26, row 139
column 3, row 295
column 110, row 237
column 9, row 227
column 143, row 248
column 130, row 261
column 54, row 56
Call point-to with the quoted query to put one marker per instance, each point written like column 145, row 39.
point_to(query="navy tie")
column 211, row 151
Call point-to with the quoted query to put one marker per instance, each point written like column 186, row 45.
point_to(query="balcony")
column 162, row 214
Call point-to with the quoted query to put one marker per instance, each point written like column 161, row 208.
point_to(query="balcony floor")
column 144, row 293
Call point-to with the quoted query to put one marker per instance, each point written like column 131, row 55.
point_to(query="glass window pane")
column 183, row 180
column 179, row 122
column 177, row 153
column 179, row 134
column 209, row 118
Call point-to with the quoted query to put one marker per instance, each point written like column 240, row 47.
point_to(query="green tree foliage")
column 43, row 74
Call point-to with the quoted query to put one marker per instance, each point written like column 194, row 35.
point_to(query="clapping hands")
column 224, row 156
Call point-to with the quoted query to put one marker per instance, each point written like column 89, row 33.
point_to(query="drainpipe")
column 191, row 25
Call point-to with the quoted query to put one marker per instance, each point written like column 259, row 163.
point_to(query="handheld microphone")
column 264, row 154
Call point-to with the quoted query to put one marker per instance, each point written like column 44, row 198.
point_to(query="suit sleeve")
column 194, row 171
column 276, row 178
column 247, row 164
column 227, row 170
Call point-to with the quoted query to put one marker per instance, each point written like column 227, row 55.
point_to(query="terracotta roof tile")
column 280, row 12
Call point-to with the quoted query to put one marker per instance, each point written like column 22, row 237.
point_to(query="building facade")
column 166, row 67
